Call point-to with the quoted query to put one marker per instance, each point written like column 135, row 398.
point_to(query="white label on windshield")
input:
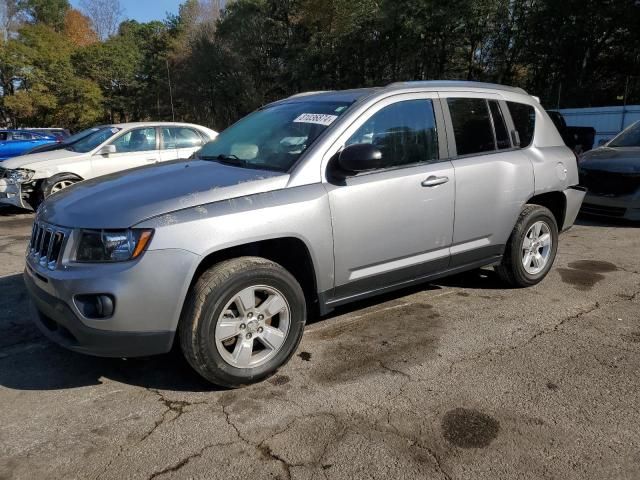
column 319, row 118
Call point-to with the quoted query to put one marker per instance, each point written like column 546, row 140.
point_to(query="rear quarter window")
column 524, row 120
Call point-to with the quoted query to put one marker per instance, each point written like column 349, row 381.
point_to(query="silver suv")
column 308, row 203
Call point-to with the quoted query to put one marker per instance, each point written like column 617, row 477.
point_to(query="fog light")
column 95, row 306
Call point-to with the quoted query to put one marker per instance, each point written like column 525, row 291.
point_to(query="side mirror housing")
column 106, row 150
column 360, row 157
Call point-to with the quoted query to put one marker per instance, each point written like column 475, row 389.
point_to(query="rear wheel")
column 531, row 249
column 242, row 320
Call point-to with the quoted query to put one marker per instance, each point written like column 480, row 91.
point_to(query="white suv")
column 27, row 180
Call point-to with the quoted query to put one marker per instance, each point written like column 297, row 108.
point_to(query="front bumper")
column 148, row 297
column 624, row 207
column 11, row 194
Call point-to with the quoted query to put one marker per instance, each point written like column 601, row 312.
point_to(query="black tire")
column 511, row 269
column 48, row 184
column 204, row 305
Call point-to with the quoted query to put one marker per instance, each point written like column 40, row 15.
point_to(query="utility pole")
column 173, row 114
column 624, row 104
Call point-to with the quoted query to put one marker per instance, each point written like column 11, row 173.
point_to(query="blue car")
column 18, row 142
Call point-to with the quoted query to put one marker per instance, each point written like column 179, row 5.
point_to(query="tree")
column 10, row 18
column 46, row 89
column 77, row 28
column 48, row 12
column 105, row 16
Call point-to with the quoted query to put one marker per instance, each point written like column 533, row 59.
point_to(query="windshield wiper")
column 227, row 159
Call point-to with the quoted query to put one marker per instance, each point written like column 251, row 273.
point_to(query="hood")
column 612, row 159
column 34, row 161
column 126, row 198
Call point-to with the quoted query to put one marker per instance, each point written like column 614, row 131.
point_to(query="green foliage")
column 48, row 12
column 222, row 66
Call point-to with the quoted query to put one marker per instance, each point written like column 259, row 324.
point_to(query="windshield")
column 275, row 137
column 628, row 138
column 91, row 141
column 80, row 135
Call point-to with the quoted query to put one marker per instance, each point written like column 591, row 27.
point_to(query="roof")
column 151, row 124
column 356, row 94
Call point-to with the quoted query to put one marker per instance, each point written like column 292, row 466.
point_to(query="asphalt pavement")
column 459, row 379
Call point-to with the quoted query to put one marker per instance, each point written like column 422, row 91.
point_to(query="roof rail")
column 455, row 83
column 304, row 94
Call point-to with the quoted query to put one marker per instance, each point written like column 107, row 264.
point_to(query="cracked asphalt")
column 460, row 379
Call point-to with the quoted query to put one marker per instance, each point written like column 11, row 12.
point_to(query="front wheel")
column 531, row 248
column 51, row 185
column 242, row 320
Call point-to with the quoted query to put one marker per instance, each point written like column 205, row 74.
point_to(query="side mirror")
column 106, row 150
column 360, row 158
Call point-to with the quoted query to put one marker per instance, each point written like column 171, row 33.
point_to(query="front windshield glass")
column 275, row 137
column 89, row 142
column 80, row 135
column 628, row 138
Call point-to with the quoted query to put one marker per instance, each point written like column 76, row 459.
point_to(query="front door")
column 394, row 224
column 134, row 148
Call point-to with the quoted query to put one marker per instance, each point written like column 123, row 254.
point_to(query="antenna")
column 173, row 114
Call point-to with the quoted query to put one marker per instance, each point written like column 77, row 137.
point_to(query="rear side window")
column 405, row 133
column 187, row 138
column 22, row 136
column 499, row 125
column 471, row 125
column 524, row 119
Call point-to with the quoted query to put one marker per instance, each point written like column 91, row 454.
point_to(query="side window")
column 22, row 136
column 405, row 132
column 138, row 140
column 499, row 126
column 168, row 139
column 471, row 125
column 3, row 136
column 186, row 138
column 524, row 119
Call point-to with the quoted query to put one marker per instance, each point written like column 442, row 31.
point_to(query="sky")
column 145, row 10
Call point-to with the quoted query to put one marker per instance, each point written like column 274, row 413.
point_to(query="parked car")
column 67, row 142
column 58, row 133
column 15, row 142
column 579, row 139
column 27, row 180
column 611, row 174
column 309, row 203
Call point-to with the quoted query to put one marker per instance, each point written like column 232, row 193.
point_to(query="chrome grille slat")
column 46, row 244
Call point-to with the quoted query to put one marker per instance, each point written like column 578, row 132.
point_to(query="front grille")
column 591, row 209
column 610, row 184
column 46, row 244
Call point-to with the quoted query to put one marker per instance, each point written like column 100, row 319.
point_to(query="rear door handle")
column 433, row 181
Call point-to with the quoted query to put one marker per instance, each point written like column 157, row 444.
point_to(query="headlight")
column 19, row 175
column 112, row 245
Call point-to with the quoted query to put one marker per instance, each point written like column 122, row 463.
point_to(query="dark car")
column 578, row 139
column 67, row 142
column 611, row 174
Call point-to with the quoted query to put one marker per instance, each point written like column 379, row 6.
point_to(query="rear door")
column 179, row 142
column 134, row 148
column 493, row 178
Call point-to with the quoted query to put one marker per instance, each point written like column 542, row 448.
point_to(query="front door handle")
column 433, row 181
